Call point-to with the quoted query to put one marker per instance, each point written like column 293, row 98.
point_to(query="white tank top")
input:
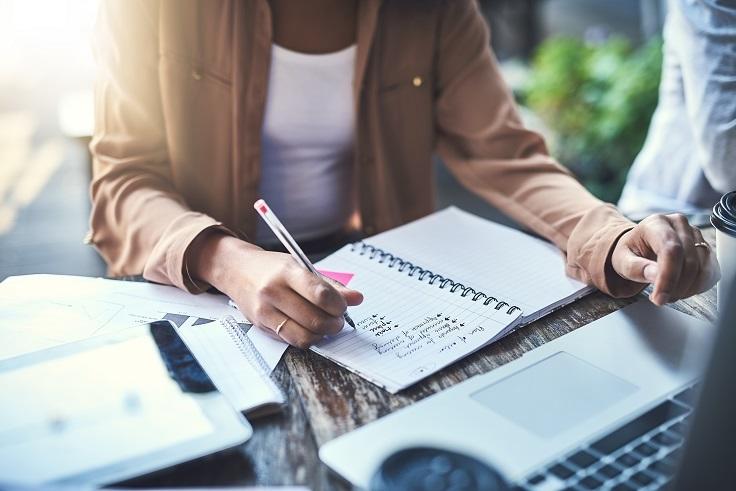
column 307, row 143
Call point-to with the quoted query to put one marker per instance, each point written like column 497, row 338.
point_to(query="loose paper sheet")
column 50, row 427
column 41, row 311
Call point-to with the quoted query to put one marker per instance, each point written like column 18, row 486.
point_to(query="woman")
column 331, row 110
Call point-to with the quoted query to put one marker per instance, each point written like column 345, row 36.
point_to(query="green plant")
column 598, row 100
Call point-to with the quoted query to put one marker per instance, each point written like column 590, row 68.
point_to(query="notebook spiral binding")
column 245, row 345
column 413, row 270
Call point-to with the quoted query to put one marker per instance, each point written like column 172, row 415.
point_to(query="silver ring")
column 702, row 244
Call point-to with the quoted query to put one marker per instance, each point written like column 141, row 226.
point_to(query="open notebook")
column 438, row 289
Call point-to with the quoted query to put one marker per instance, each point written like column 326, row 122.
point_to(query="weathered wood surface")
column 326, row 401
column 337, row 401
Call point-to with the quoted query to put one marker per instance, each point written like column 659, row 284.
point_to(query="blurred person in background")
column 689, row 157
column 331, row 110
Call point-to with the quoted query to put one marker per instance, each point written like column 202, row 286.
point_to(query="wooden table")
column 326, row 401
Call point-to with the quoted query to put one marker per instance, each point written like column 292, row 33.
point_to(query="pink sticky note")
column 343, row 278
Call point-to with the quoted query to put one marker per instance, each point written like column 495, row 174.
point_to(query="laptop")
column 709, row 456
column 604, row 407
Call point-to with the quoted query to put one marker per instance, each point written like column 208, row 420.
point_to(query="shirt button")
column 196, row 74
column 417, row 81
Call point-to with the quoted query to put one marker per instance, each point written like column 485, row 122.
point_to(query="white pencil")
column 288, row 241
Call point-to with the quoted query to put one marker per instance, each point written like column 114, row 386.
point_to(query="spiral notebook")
column 438, row 289
column 233, row 364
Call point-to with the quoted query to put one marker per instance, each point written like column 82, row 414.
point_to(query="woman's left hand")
column 666, row 251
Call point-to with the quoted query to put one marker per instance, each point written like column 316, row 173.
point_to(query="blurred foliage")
column 598, row 99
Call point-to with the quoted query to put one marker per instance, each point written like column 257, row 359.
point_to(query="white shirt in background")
column 689, row 158
column 307, row 143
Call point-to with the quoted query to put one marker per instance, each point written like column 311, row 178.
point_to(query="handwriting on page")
column 442, row 331
column 406, row 328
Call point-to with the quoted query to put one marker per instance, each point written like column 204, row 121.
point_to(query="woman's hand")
column 662, row 250
column 272, row 290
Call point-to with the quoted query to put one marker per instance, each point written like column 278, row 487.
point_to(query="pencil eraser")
column 260, row 205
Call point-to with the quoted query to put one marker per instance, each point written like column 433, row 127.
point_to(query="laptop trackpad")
column 554, row 394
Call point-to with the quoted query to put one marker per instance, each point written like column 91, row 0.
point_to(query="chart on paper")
column 42, row 311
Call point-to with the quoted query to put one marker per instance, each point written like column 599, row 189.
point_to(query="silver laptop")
column 601, row 407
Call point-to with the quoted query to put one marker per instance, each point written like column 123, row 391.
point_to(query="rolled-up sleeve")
column 484, row 144
column 139, row 223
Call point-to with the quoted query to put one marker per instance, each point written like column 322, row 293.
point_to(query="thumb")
column 636, row 268
column 352, row 297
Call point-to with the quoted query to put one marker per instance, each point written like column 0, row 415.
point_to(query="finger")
column 709, row 269
column 317, row 291
column 297, row 335
column 268, row 318
column 636, row 268
column 352, row 297
column 662, row 238
column 311, row 317
column 305, row 313
column 698, row 235
column 690, row 273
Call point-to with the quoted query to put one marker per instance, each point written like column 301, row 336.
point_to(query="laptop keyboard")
column 641, row 454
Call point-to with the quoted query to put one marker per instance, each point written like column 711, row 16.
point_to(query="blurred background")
column 585, row 73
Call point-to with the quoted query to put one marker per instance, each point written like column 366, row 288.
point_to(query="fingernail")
column 650, row 272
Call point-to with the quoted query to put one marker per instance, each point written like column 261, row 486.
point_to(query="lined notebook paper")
column 233, row 364
column 524, row 270
column 438, row 289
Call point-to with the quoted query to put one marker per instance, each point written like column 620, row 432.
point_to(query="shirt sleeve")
column 139, row 222
column 484, row 144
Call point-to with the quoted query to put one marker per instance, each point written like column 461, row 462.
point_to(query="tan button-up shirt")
column 180, row 103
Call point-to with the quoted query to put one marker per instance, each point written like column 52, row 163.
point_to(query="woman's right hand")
column 270, row 288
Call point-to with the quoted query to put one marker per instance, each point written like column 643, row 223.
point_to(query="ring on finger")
column 702, row 244
column 281, row 325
